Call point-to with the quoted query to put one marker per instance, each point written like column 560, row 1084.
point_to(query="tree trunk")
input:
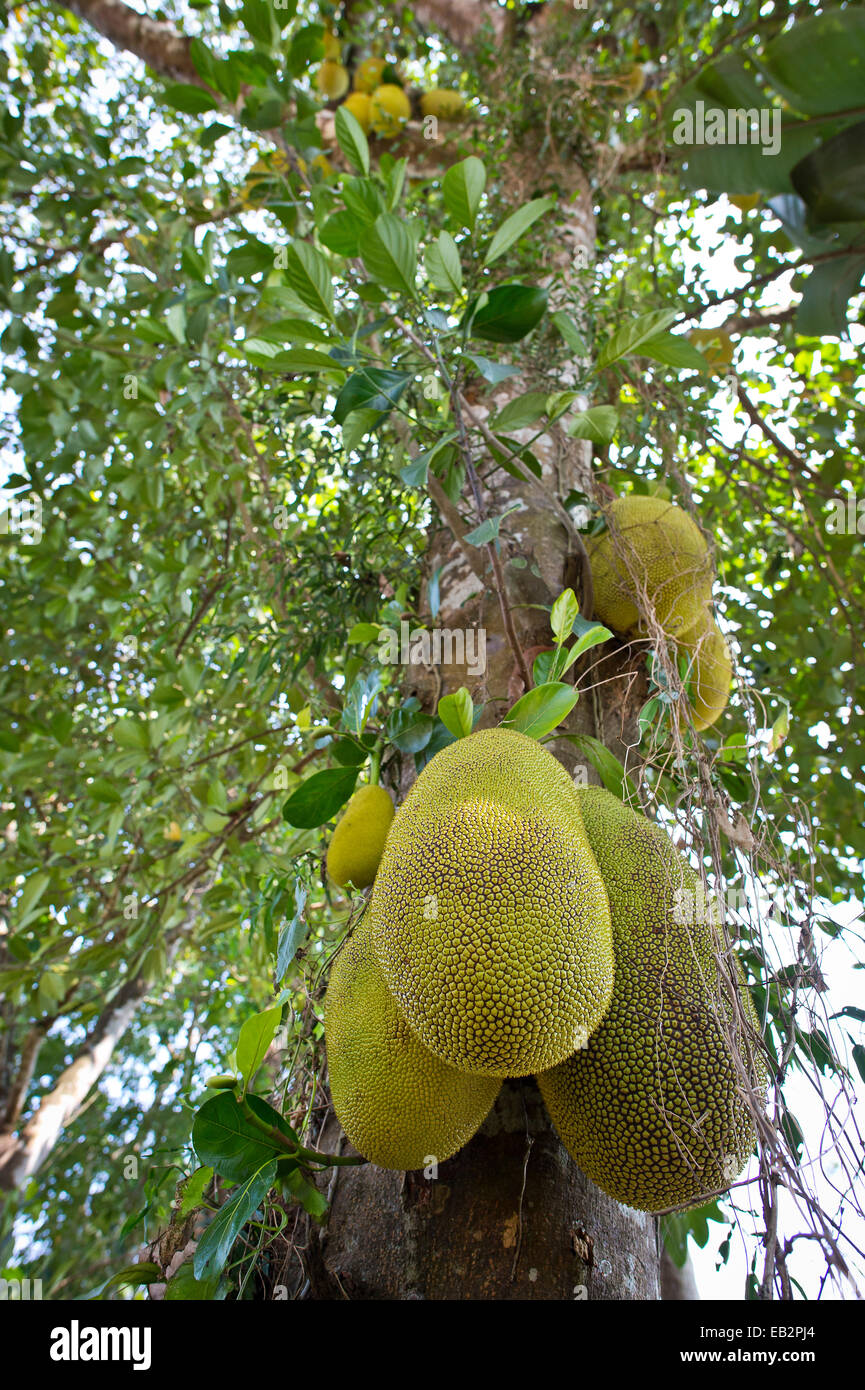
column 510, row 1216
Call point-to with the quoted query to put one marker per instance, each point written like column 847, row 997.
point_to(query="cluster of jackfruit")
column 521, row 926
column 654, row 557
column 378, row 100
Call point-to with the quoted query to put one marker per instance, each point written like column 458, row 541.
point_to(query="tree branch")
column 158, row 43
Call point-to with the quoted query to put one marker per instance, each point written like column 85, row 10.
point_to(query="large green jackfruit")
column 399, row 1105
column 655, row 552
column 489, row 916
column 358, row 840
column 651, row 1109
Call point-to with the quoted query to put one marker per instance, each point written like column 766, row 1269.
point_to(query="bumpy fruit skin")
column 358, row 840
column 390, row 109
column 332, row 79
column 360, row 106
column 398, row 1104
column 651, row 1109
column 711, row 672
column 447, row 105
column 368, row 74
column 489, row 916
column 652, row 546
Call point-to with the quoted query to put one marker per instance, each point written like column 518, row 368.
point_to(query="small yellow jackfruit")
column 447, row 105
column 390, row 109
column 358, row 840
column 488, row 915
column 360, row 106
column 399, row 1105
column 332, row 45
column 711, row 672
column 652, row 1109
column 367, row 75
column 654, row 552
column 332, row 79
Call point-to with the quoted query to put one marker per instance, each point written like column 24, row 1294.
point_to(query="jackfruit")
column 442, row 102
column 655, row 551
column 745, row 202
column 488, row 915
column 711, row 672
column 390, row 109
column 358, row 840
column 651, row 1109
column 360, row 106
column 399, row 1105
column 332, row 79
column 368, row 74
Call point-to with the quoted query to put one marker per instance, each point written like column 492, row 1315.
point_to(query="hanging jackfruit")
column 654, row 552
column 711, row 671
column 358, row 840
column 399, row 1105
column 488, row 915
column 652, row 1108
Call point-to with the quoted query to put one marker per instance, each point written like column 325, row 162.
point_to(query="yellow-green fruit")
column 399, row 1105
column 711, row 672
column 368, row 74
column 390, row 109
column 651, row 1109
column 653, row 551
column 360, row 106
column 358, row 840
column 489, row 916
column 332, row 79
column 745, row 202
column 447, row 105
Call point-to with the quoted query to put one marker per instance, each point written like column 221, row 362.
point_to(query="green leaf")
column 564, row 611
column 831, row 179
column 489, row 529
column 569, row 331
column 226, row 1141
column 214, row 1247
column 632, row 336
column 409, row 729
column 443, row 267
column 514, row 226
column 509, row 314
column 292, row 934
column 541, row 710
column 372, row 388
column 308, row 274
column 183, row 1285
column 521, row 411
column 144, row 1273
column 859, row 1059
column 493, row 372
column 828, row 290
column 31, row 894
column 255, row 1038
column 456, row 712
column 351, row 139
column 462, row 189
column 273, row 358
column 389, row 254
column 780, row 730
column 597, row 424
column 194, row 1189
column 317, row 800
column 186, row 97
column 362, row 633
column 672, row 350
column 818, row 64
column 605, row 763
